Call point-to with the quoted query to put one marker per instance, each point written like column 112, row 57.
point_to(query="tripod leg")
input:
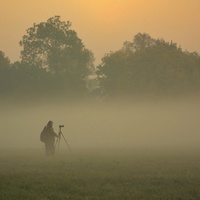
column 57, row 145
column 66, row 142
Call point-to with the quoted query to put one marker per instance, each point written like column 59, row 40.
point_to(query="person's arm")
column 54, row 133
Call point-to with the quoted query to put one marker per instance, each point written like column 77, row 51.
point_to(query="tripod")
column 60, row 134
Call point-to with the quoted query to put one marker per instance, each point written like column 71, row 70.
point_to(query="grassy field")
column 135, row 174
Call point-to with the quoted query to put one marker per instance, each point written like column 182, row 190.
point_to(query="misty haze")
column 172, row 124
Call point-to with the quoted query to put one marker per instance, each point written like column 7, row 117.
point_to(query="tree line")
column 54, row 61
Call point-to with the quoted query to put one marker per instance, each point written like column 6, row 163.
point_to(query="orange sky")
column 103, row 25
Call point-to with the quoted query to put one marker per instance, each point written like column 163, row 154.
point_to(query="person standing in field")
column 48, row 137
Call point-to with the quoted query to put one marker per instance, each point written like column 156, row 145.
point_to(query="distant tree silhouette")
column 4, row 61
column 5, row 74
column 56, row 48
column 29, row 80
column 149, row 66
column 54, row 61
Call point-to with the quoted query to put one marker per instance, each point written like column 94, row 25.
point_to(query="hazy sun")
column 108, row 11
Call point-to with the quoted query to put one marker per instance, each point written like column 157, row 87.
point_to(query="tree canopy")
column 149, row 66
column 55, row 47
column 5, row 75
column 55, row 62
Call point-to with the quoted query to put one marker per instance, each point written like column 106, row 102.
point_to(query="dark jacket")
column 50, row 134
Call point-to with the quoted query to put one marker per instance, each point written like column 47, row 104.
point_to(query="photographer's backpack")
column 43, row 135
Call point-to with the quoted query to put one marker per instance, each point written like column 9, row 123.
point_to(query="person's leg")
column 52, row 149
column 47, row 149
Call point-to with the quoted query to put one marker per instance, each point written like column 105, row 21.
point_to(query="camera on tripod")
column 60, row 135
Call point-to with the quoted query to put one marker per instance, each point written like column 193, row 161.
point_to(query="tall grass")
column 141, row 174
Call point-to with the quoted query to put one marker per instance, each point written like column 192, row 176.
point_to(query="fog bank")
column 104, row 125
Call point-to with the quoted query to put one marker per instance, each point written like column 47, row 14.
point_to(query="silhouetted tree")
column 30, row 80
column 4, row 61
column 5, row 75
column 53, row 46
column 149, row 66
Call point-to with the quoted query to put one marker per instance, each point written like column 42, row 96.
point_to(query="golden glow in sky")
column 104, row 11
column 103, row 25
